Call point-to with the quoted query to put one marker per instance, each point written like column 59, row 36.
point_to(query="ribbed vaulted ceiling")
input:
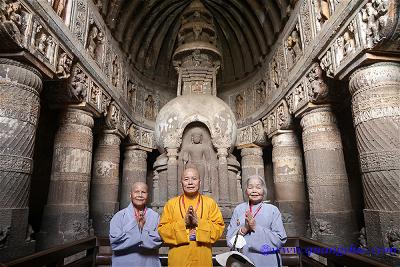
column 147, row 31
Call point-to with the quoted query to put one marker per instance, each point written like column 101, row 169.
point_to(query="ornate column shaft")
column 289, row 181
column 331, row 214
column 172, row 173
column 223, row 182
column 134, row 170
column 104, row 185
column 252, row 163
column 376, row 114
column 66, row 215
column 20, row 87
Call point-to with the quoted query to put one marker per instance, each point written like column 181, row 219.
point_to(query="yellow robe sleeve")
column 210, row 229
column 172, row 230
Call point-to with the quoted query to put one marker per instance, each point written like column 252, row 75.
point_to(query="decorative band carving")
column 16, row 72
column 380, row 160
column 370, row 77
column 16, row 163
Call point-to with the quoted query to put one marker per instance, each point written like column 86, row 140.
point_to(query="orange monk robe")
column 172, row 230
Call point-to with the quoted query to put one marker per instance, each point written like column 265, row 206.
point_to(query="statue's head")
column 196, row 138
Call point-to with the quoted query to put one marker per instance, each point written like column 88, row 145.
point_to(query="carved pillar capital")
column 251, row 151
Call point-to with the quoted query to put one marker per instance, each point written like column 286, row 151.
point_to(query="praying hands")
column 191, row 218
column 141, row 220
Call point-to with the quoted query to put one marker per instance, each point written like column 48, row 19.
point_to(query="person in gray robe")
column 260, row 224
column 133, row 236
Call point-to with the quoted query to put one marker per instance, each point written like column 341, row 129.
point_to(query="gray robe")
column 269, row 235
column 132, row 247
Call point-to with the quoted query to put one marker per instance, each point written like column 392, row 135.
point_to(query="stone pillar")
column 252, row 163
column 105, row 180
column 20, row 87
column 172, row 175
column 376, row 114
column 66, row 215
column 223, row 182
column 289, row 182
column 331, row 214
column 134, row 170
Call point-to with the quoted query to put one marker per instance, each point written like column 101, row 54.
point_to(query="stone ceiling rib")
column 147, row 32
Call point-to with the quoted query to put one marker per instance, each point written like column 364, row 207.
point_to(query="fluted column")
column 105, row 180
column 289, row 181
column 331, row 214
column 172, row 172
column 223, row 182
column 376, row 114
column 66, row 215
column 20, row 86
column 134, row 170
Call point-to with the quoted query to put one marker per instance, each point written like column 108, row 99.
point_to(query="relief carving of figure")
column 293, row 46
column 64, row 66
column 260, row 93
column 239, row 106
column 319, row 89
column 95, row 38
column 339, row 49
column 79, row 85
column 324, row 227
column 50, row 49
column 115, row 72
column 132, row 95
column 373, row 16
column 197, row 150
column 149, row 108
column 349, row 43
column 42, row 43
column 322, row 13
column 11, row 19
column 59, row 7
column 275, row 73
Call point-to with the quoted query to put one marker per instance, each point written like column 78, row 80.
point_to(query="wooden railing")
column 54, row 257
column 295, row 254
column 332, row 259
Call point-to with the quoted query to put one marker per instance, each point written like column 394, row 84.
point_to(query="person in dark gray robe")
column 133, row 236
column 260, row 224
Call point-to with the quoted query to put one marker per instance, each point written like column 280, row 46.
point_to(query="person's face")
column 139, row 195
column 190, row 182
column 254, row 190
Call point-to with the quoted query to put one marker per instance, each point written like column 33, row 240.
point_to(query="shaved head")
column 190, row 170
column 139, row 184
column 139, row 194
column 190, row 182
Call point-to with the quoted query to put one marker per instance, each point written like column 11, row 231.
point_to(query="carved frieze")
column 95, row 41
column 252, row 135
column 277, row 119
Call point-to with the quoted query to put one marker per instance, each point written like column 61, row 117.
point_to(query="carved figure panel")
column 64, row 64
column 239, row 106
column 43, row 44
column 79, row 84
column 95, row 42
column 373, row 18
column 293, row 46
column 14, row 21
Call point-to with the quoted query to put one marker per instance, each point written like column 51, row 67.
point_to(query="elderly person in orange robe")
column 190, row 224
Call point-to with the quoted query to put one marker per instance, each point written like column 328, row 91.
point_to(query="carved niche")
column 197, row 149
column 293, row 46
column 95, row 42
column 373, row 19
column 64, row 64
column 43, row 44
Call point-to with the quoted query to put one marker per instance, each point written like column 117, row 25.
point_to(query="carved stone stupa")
column 197, row 128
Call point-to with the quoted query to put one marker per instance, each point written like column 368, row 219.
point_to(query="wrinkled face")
column 139, row 194
column 254, row 190
column 190, row 182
